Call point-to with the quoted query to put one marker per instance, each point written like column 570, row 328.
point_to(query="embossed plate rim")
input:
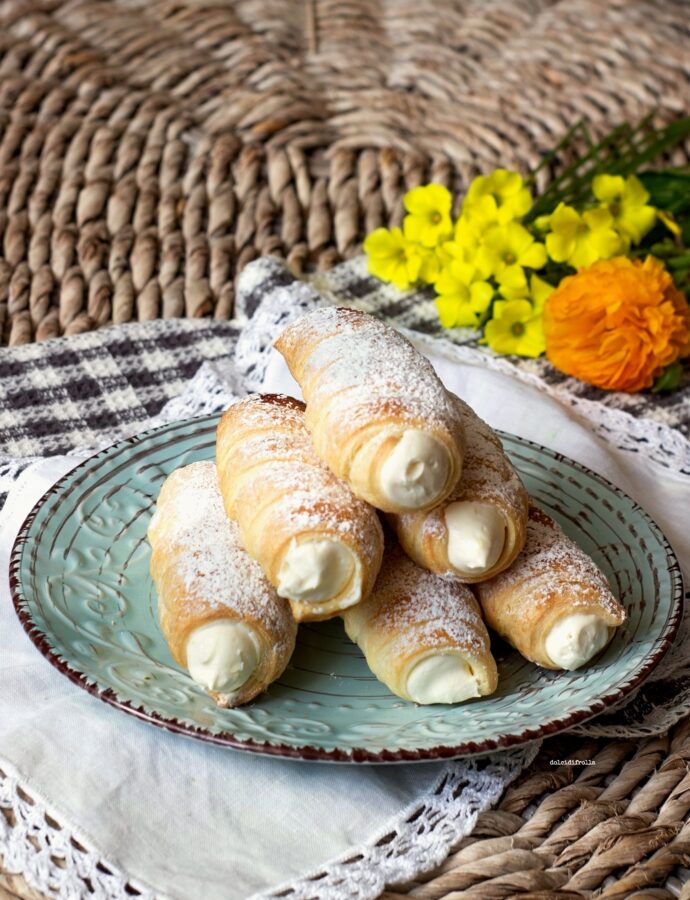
column 306, row 752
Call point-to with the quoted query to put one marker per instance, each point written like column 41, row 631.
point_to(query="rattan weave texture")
column 617, row 827
column 150, row 148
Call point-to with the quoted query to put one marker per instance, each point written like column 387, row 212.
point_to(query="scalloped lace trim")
column 421, row 837
column 58, row 863
column 50, row 856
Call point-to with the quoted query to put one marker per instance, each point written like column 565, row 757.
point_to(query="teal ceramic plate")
column 82, row 590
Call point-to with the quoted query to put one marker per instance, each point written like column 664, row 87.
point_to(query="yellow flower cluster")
column 483, row 266
column 621, row 218
column 409, row 255
column 480, row 265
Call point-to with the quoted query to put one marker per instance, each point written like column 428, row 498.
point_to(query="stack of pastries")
column 286, row 527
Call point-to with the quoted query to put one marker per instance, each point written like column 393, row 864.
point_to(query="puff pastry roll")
column 479, row 530
column 318, row 544
column 378, row 414
column 553, row 604
column 222, row 620
column 423, row 635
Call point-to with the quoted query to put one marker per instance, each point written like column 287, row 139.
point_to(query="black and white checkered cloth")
column 74, row 392
column 69, row 391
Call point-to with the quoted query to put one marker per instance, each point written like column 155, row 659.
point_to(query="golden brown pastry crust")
column 413, row 613
column 202, row 574
column 551, row 578
column 279, row 491
column 365, row 386
column 488, row 477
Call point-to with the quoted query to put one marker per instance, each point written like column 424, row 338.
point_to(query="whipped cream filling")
column 476, row 535
column 223, row 655
column 442, row 678
column 416, row 472
column 315, row 570
column 575, row 639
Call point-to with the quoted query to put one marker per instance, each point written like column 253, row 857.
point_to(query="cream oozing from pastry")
column 416, row 471
column 575, row 639
column 318, row 569
column 476, row 535
column 442, row 678
column 222, row 655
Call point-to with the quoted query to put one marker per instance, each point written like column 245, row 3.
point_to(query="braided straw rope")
column 150, row 148
column 616, row 828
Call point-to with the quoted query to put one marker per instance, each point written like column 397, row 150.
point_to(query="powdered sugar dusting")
column 214, row 568
column 266, row 451
column 488, row 475
column 549, row 559
column 486, row 467
column 423, row 608
column 358, row 367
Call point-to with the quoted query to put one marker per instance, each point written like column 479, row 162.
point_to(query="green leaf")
column 668, row 190
column 623, row 151
column 669, row 380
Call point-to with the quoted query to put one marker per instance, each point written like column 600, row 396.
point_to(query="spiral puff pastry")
column 222, row 620
column 553, row 604
column 479, row 530
column 423, row 635
column 378, row 414
column 317, row 543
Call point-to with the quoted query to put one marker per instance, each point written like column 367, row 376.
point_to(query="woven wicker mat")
column 150, row 148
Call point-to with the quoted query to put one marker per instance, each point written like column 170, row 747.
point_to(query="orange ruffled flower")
column 617, row 324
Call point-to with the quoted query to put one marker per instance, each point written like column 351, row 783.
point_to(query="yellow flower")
column 541, row 223
column 540, row 291
column 433, row 260
column 500, row 197
column 464, row 242
column 463, row 297
column 515, row 328
column 626, row 200
column 391, row 257
column 466, row 232
column 503, row 253
column 428, row 222
column 581, row 240
column 462, row 248
column 513, row 283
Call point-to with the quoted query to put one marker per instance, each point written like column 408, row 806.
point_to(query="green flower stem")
column 621, row 152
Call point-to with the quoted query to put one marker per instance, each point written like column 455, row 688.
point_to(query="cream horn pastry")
column 221, row 618
column 481, row 527
column 423, row 635
column 378, row 414
column 318, row 544
column 553, row 604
